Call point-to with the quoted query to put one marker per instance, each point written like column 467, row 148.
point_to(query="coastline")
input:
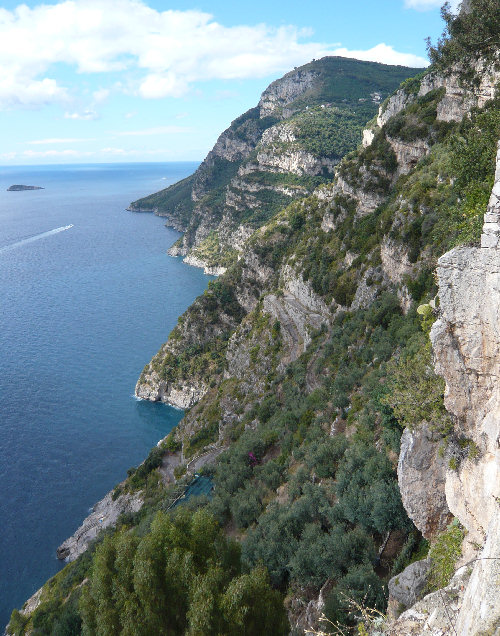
column 174, row 251
column 115, row 427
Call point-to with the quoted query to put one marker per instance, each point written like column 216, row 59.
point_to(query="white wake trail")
column 37, row 237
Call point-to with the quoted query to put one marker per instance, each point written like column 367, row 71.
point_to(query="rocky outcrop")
column 32, row 603
column 214, row 270
column 436, row 614
column 421, row 479
column 20, row 188
column 395, row 262
column 408, row 154
column 394, row 105
column 480, row 611
column 280, row 151
column 306, row 616
column 457, row 100
column 409, row 586
column 182, row 396
column 104, row 514
column 361, row 191
column 260, row 164
column 491, row 227
column 466, row 343
column 278, row 97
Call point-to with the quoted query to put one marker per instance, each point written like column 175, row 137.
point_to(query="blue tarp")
column 199, row 486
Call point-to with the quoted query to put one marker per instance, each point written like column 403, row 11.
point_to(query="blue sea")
column 87, row 296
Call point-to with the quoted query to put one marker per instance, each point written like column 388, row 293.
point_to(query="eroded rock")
column 421, row 479
column 408, row 586
column 104, row 514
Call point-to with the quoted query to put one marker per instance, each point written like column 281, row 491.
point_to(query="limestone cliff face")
column 104, row 514
column 278, row 98
column 262, row 162
column 297, row 309
column 457, row 100
column 422, row 478
column 466, row 343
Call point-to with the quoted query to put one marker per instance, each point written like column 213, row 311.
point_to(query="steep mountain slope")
column 276, row 152
column 315, row 408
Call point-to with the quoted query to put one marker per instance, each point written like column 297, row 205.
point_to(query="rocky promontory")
column 104, row 515
column 273, row 154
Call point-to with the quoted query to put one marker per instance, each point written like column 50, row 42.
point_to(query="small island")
column 17, row 188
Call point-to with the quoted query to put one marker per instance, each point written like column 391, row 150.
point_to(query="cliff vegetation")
column 343, row 477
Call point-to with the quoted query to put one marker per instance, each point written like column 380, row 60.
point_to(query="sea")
column 87, row 296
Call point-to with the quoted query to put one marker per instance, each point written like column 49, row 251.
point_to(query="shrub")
column 444, row 553
column 467, row 37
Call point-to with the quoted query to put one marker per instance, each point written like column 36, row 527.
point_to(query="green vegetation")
column 176, row 204
column 348, row 89
column 370, row 371
column 330, row 131
column 467, row 38
column 210, row 252
column 418, row 120
column 343, row 80
column 182, row 577
column 310, row 435
column 444, row 554
column 416, row 393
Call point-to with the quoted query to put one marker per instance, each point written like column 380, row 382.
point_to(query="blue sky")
column 87, row 81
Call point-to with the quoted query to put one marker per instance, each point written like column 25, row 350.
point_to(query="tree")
column 181, row 578
column 467, row 37
column 251, row 607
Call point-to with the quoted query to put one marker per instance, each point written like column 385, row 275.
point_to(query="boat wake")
column 37, row 237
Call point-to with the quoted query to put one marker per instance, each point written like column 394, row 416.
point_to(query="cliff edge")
column 466, row 344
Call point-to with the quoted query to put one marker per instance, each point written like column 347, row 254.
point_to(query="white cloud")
column 43, row 154
column 18, row 92
column 426, row 5
column 385, row 54
column 161, row 52
column 159, row 130
column 87, row 115
column 56, row 140
column 101, row 95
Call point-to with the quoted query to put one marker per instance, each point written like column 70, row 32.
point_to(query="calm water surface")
column 82, row 309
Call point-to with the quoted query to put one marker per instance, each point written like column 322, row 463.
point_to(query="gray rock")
column 21, row 188
column 104, row 515
column 408, row 586
column 422, row 478
column 480, row 612
column 435, row 614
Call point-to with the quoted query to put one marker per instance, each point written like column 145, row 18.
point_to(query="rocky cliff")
column 273, row 154
column 465, row 340
column 307, row 367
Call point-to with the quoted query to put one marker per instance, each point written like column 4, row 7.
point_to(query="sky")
column 92, row 81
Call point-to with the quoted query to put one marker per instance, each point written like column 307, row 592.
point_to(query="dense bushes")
column 416, row 392
column 331, row 132
column 182, row 577
column 367, row 490
column 467, row 37
column 444, row 554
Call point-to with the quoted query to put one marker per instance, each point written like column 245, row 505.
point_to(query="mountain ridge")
column 269, row 156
